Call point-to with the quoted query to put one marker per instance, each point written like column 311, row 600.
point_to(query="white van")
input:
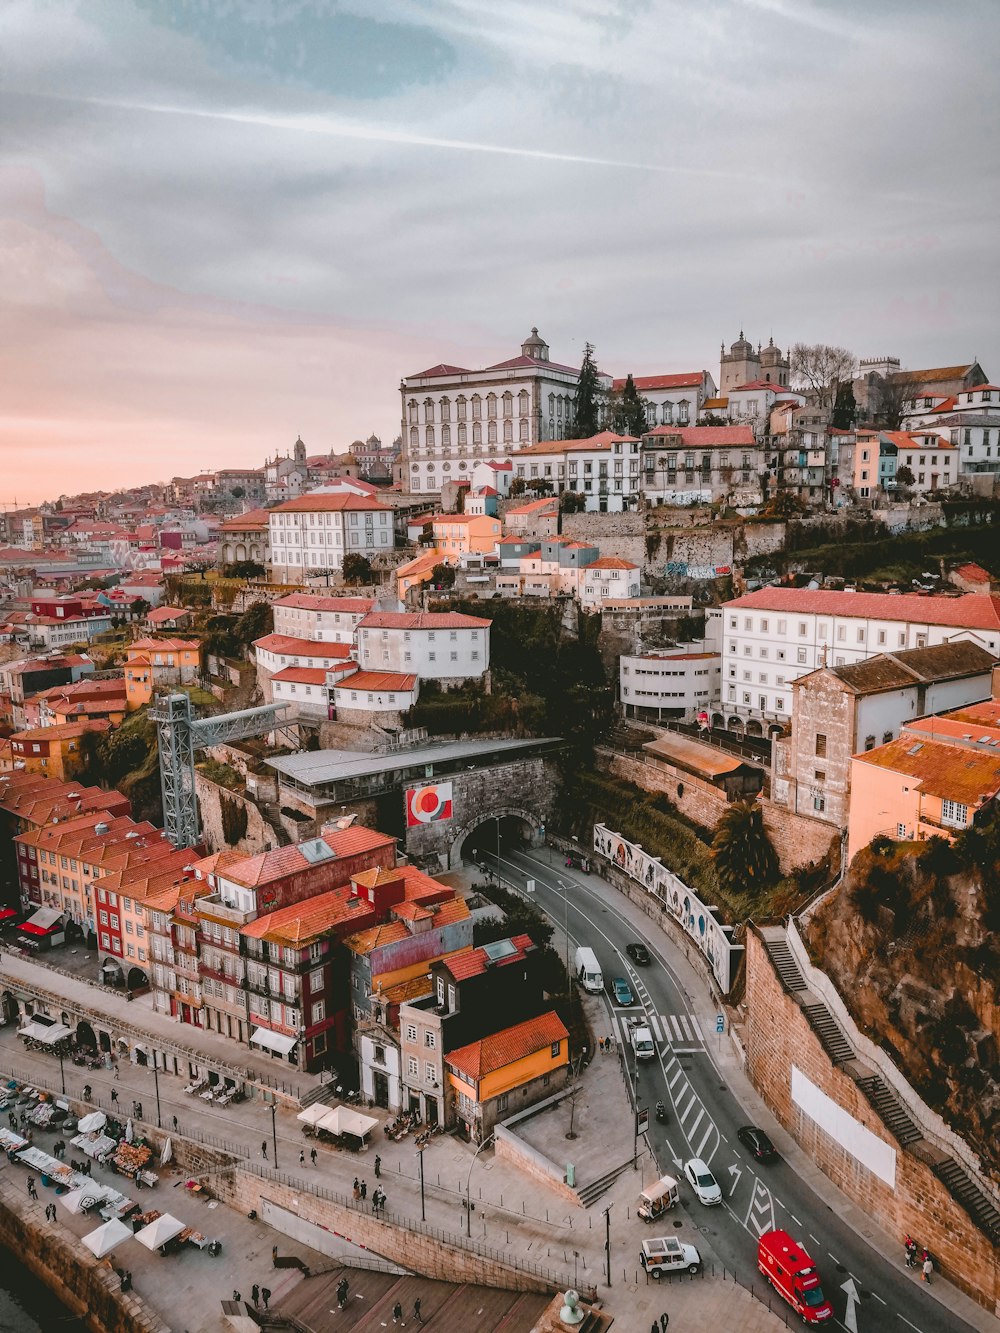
column 642, row 1042
column 588, row 970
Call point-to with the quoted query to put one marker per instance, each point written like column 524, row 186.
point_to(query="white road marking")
column 690, row 1129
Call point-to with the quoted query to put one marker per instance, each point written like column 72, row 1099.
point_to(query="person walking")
column 255, row 1294
column 343, row 1287
column 357, row 1190
column 87, row 1093
column 910, row 1246
column 364, row 1190
column 30, row 1182
column 265, row 1295
column 378, row 1167
column 263, row 1149
column 664, row 1321
column 416, row 1311
column 302, row 1157
column 926, row 1268
column 118, row 1073
column 114, row 1096
column 312, row 1156
column 175, row 1124
column 397, row 1313
column 236, row 1295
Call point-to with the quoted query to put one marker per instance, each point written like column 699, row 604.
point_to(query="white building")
column 493, row 474
column 678, row 682
column 315, row 532
column 277, row 653
column 326, row 619
column 752, row 403
column 672, row 400
column 608, row 579
column 304, row 691
column 933, row 460
column 51, row 632
column 373, row 696
column 443, row 645
column 773, row 636
column 702, row 464
column 454, row 418
column 604, row 469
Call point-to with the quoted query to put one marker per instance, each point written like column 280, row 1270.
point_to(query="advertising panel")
column 695, row 917
column 428, row 805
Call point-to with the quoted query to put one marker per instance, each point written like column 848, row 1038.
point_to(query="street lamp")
column 468, row 1185
column 497, row 818
column 420, row 1155
column 62, row 1071
column 274, row 1133
column 607, row 1240
column 156, row 1083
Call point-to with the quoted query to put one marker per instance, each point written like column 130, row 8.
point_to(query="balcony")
column 220, row 974
column 217, row 910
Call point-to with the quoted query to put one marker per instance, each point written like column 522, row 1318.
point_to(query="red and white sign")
column 428, row 805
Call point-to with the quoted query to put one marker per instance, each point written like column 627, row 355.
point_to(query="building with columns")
column 454, row 418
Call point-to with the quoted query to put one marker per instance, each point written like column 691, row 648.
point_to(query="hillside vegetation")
column 911, row 941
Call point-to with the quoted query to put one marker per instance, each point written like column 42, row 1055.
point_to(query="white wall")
column 440, row 654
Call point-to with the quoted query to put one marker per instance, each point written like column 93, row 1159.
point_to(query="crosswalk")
column 676, row 1032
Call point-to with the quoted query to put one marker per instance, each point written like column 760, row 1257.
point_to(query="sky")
column 225, row 223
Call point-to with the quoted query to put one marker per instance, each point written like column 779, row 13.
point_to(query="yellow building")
column 456, row 535
column 493, row 1078
column 414, row 573
column 57, row 752
column 156, row 664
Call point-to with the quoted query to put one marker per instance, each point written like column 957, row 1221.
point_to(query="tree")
column 237, row 492
column 904, row 477
column 783, row 504
column 745, row 859
column 518, row 486
column 820, row 370
column 572, row 502
column 845, row 408
column 627, row 411
column 357, row 568
column 588, row 407
column 888, row 400
column 443, row 576
column 244, row 569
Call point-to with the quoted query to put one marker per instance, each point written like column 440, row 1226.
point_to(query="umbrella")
column 105, row 1238
column 91, row 1123
column 159, row 1232
column 77, row 1200
column 167, row 1153
column 129, row 1131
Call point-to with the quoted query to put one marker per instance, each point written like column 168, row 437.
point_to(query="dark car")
column 638, row 953
column 757, row 1142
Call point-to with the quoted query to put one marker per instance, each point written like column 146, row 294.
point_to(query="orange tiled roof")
column 302, row 922
column 477, row 960
column 422, row 620
column 508, row 1046
column 949, row 771
column 969, row 611
column 281, row 861
column 377, row 680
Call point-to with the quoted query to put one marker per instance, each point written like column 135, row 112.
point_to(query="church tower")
column 740, row 365
column 299, row 453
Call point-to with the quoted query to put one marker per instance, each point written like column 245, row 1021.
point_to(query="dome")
column 741, row 347
column 535, row 346
column 771, row 355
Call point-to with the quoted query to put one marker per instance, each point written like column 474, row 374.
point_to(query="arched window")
column 477, row 433
column 491, row 404
column 525, row 429
column 414, row 437
column 413, row 411
column 445, row 409
column 428, row 409
column 461, row 434
column 477, row 407
column 523, row 403
column 552, row 405
column 668, row 414
column 508, row 431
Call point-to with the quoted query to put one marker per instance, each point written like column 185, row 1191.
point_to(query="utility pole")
column 420, row 1154
column 156, row 1083
column 607, row 1240
column 274, row 1133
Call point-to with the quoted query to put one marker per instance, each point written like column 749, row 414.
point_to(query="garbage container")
column 571, row 1175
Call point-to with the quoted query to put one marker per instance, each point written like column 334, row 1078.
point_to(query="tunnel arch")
column 528, row 820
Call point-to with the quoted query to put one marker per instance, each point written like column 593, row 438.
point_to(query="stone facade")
column 259, row 837
column 778, row 1036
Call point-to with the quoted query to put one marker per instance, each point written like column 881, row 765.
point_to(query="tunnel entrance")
column 477, row 843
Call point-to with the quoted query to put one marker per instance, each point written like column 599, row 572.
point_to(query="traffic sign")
column 642, row 1120
column 720, row 1022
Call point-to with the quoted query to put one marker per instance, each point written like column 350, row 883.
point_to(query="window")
column 318, row 1011
column 820, row 745
column 430, row 1038
column 412, row 1067
column 430, row 1073
column 819, row 801
column 953, row 812
column 869, row 742
column 800, row 655
column 411, row 1032
column 502, row 1101
column 900, row 830
column 886, row 737
column 556, row 1047
column 819, row 774
column 316, row 979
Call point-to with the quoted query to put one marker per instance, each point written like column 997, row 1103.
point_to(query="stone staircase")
column 882, row 1098
column 590, row 1193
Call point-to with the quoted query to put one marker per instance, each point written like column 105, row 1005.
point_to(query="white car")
column 701, row 1180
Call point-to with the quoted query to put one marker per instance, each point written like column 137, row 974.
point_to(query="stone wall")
column 697, row 800
column 778, row 1036
column 259, row 837
column 799, row 839
column 434, row 1254
column 91, row 1290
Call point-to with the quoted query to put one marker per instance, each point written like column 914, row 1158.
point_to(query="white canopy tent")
column 344, row 1120
column 92, row 1122
column 165, row 1228
column 49, row 1034
column 105, row 1238
column 312, row 1115
column 75, row 1200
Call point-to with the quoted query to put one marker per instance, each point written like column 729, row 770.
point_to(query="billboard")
column 692, row 915
column 431, row 804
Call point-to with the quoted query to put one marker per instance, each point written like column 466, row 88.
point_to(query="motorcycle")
column 661, row 1113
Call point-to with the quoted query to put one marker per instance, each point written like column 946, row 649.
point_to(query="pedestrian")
column 265, row 1295
column 664, row 1321
column 127, row 1280
column 236, row 1295
column 927, row 1268
column 397, row 1312
column 30, row 1183
column 263, row 1149
column 378, row 1167
column 375, row 1203
column 175, row 1124
column 86, row 1092
column 910, row 1245
column 118, row 1073
column 274, row 1256
column 302, row 1157
column 312, row 1156
column 416, row 1311
column 655, row 1328
column 114, row 1095
column 343, row 1287
column 364, row 1189
column 255, row 1294
column 357, row 1190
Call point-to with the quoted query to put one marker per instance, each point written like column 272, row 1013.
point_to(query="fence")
column 759, row 1289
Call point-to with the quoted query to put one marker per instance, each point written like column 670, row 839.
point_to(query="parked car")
column 757, row 1143
column 701, row 1180
column 622, row 991
column 666, row 1254
column 638, row 953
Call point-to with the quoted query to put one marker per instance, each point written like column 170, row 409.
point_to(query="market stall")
column 106, row 1237
column 132, row 1159
column 160, row 1231
column 96, row 1146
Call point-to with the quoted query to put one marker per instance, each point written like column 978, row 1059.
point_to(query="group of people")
column 378, row 1194
column 606, row 1044
column 917, row 1257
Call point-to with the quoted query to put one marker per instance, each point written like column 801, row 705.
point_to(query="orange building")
column 58, row 752
column 492, row 1078
column 413, row 573
column 456, row 535
column 929, row 782
column 155, row 664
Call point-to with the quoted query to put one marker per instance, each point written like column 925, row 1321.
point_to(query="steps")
column 889, row 1110
column 785, row 965
column 323, row 1092
column 589, row 1194
column 830, row 1033
column 965, row 1192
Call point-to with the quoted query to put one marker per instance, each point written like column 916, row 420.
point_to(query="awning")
column 92, row 1122
column 43, row 921
column 313, row 1113
column 6, row 913
column 164, row 1228
column 79, row 1200
column 274, row 1041
column 31, row 1030
column 50, row 1035
column 105, row 1238
column 342, row 1120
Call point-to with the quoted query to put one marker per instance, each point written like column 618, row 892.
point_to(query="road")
column 869, row 1295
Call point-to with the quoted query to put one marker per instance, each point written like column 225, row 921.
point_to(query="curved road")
column 869, row 1294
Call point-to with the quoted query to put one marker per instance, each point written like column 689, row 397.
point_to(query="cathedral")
column 742, row 365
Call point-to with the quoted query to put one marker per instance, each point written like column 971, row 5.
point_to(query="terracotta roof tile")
column 690, row 380
column 386, row 681
column 304, row 601
column 412, row 620
column 948, row 771
column 968, row 611
column 511, row 1044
